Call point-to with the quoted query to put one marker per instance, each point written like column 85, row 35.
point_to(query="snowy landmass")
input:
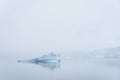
column 107, row 56
column 107, row 53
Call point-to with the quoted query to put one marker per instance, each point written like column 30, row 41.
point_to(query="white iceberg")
column 50, row 61
column 49, row 58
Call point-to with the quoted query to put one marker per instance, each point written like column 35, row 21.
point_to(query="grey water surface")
column 74, row 68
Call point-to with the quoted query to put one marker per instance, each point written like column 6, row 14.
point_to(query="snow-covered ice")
column 107, row 53
column 51, row 61
column 49, row 58
column 107, row 56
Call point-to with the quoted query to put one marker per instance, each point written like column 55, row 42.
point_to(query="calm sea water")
column 68, row 69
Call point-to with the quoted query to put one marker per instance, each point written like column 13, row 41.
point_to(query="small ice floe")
column 49, row 58
column 51, row 61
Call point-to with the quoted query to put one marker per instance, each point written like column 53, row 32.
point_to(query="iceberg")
column 50, row 61
column 49, row 58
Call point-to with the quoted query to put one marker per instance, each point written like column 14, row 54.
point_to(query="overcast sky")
column 58, row 25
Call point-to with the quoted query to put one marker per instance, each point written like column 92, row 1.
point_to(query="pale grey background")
column 30, row 28
column 33, row 26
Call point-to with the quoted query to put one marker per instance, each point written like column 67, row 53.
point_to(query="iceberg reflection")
column 49, row 65
column 50, row 61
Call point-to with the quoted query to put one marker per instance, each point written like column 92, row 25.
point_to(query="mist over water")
column 69, row 68
column 71, row 28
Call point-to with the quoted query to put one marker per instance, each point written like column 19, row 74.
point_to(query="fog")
column 33, row 26
column 84, row 36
